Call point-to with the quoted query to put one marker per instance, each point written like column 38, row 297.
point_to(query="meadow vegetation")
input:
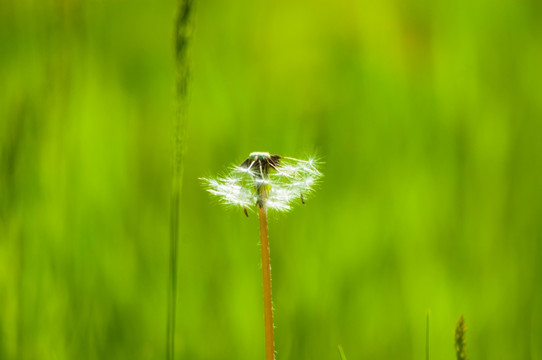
column 427, row 116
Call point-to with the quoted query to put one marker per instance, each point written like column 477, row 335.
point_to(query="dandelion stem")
column 266, row 276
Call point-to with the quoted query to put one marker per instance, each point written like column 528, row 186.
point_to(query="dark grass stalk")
column 266, row 279
column 460, row 341
column 183, row 30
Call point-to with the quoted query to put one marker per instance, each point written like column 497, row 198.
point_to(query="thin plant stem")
column 427, row 337
column 266, row 277
column 341, row 352
column 183, row 30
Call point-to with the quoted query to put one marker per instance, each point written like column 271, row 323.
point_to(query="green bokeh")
column 427, row 115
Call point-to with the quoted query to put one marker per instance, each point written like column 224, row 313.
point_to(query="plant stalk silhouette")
column 182, row 35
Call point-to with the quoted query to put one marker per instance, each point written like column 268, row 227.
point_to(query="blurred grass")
column 182, row 38
column 341, row 352
column 427, row 114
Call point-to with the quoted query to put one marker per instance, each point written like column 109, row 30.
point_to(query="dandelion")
column 265, row 181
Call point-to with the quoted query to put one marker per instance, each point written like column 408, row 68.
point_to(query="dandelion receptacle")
column 266, row 182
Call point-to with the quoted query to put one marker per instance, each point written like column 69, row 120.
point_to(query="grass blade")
column 183, row 30
column 341, row 352
column 427, row 337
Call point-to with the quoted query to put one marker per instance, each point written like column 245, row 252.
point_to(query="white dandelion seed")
column 268, row 180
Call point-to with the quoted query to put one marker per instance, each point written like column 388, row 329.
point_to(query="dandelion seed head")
column 259, row 154
column 284, row 181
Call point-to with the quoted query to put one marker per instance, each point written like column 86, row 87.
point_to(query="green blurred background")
column 427, row 115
